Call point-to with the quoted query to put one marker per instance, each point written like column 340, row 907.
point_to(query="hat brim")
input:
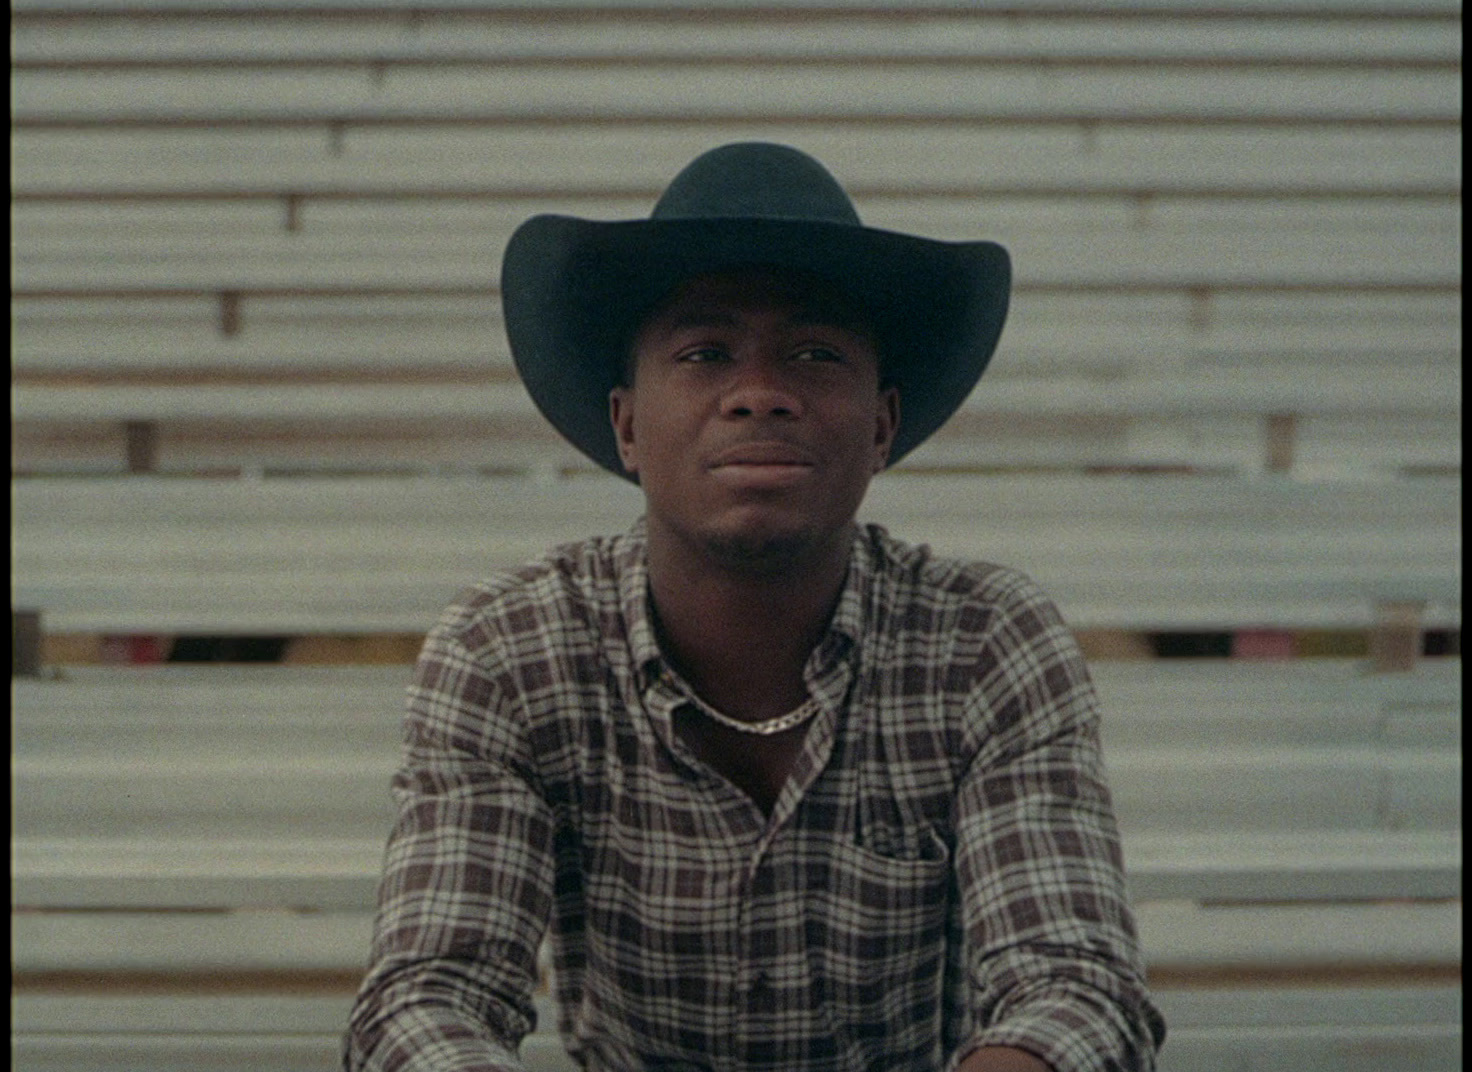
column 575, row 290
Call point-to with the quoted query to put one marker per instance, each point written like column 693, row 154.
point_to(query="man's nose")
column 760, row 389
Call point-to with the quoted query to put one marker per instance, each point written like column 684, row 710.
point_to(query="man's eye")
column 703, row 354
column 817, row 353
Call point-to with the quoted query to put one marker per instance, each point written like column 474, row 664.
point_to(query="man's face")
column 755, row 418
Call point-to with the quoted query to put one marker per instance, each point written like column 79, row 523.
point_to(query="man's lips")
column 762, row 455
column 756, row 466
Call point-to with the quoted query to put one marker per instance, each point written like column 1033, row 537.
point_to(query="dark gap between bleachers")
column 314, row 649
column 227, row 649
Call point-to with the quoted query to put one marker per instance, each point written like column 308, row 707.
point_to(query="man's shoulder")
column 568, row 586
column 914, row 571
column 937, row 603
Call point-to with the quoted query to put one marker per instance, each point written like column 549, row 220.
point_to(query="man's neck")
column 741, row 636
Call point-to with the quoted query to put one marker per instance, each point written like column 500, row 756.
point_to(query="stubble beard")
column 759, row 555
column 771, row 555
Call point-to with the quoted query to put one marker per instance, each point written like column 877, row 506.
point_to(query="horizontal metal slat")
column 1185, row 1009
column 1046, row 335
column 333, row 873
column 1304, row 935
column 1425, row 391
column 588, row 163
column 605, row 9
column 196, row 794
column 875, row 34
column 1160, row 259
column 1160, row 703
column 1392, row 1028
column 1275, row 552
column 769, row 92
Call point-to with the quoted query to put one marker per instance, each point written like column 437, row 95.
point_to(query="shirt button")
column 759, row 995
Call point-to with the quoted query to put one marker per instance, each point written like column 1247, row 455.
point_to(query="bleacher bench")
column 261, row 241
column 1257, row 850
column 357, row 555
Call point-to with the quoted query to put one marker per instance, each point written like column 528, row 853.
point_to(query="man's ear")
column 886, row 425
column 621, row 415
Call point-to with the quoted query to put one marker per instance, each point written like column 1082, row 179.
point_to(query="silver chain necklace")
column 795, row 717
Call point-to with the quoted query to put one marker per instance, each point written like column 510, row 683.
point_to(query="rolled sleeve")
column 1053, row 957
column 467, row 885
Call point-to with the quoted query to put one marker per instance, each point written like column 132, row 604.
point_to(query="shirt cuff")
column 1065, row 1039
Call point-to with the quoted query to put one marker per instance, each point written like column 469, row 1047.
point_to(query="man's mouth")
column 761, row 455
column 765, row 464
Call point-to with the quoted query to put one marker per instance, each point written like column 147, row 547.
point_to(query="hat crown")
column 756, row 180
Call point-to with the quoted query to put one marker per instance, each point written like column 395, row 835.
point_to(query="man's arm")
column 1054, row 967
column 467, row 885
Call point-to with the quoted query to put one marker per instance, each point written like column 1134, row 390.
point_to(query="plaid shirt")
column 941, row 871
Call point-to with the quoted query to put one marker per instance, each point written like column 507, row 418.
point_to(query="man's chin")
column 767, row 550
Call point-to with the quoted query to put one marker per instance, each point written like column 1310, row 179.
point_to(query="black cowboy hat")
column 574, row 290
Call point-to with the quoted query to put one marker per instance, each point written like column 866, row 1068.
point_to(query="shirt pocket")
column 901, row 842
column 884, row 913
column 877, row 937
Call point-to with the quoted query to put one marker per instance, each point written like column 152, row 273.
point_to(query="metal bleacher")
column 260, row 387
column 1299, row 838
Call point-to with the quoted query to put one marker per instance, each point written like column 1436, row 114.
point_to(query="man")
column 785, row 792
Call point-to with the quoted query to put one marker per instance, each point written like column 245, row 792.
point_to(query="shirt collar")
column 842, row 639
column 631, row 570
column 850, row 616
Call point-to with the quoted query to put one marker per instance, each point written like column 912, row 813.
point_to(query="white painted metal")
column 226, row 870
column 1174, row 935
column 222, row 871
column 471, row 264
column 1155, row 703
column 1353, row 1048
column 108, row 1052
column 1045, row 335
column 1293, row 865
column 432, row 260
column 1090, row 143
column 1232, row 935
column 274, row 790
column 1346, row 449
column 1202, row 392
column 977, row 34
column 349, row 555
column 1411, row 1028
column 618, row 170
column 185, row 1033
column 142, row 941
column 1402, row 1027
column 653, row 91
column 206, row 786
column 534, row 7
column 1177, row 703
